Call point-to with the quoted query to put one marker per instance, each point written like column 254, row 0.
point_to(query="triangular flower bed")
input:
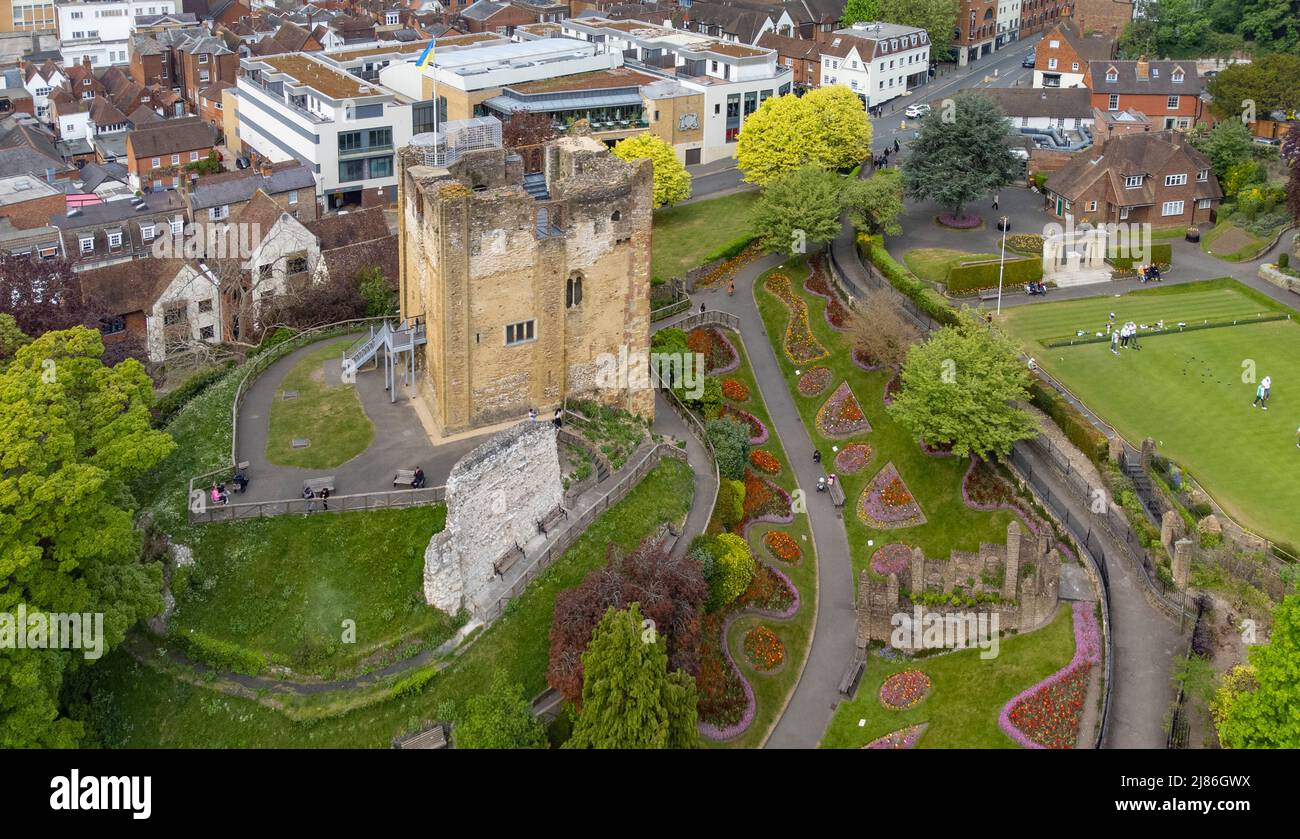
column 887, row 503
column 841, row 415
column 903, row 738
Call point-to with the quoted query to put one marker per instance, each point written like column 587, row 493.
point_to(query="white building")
column 734, row 78
column 878, row 61
column 102, row 29
column 1008, row 23
column 40, row 81
column 301, row 107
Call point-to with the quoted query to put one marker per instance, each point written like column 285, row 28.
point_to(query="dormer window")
column 1132, row 181
column 1112, row 75
column 1203, row 175
column 1178, row 77
column 1155, row 72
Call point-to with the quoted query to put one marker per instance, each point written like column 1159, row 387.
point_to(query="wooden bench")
column 507, row 560
column 317, row 484
column 552, row 518
column 434, row 738
column 837, row 494
column 852, row 673
column 988, row 294
column 404, row 477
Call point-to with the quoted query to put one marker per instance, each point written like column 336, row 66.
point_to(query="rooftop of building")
column 20, row 188
column 592, row 80
column 319, row 76
column 510, row 53
column 665, row 36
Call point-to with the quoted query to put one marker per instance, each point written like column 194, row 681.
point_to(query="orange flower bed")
column 724, row 270
column 763, row 649
column 800, row 345
column 782, row 545
column 735, row 390
column 764, row 461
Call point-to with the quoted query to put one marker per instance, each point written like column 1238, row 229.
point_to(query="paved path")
column 400, row 441
column 669, row 424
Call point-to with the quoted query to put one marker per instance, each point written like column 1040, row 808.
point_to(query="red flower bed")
column 764, row 501
column 814, row 381
column 735, row 390
column 891, row 559
column 723, row 697
column 764, row 461
column 763, row 649
column 782, row 545
column 768, row 591
column 800, row 345
column 853, row 458
column 841, row 415
column 719, row 355
column 1047, row 715
column 904, row 690
column 836, row 315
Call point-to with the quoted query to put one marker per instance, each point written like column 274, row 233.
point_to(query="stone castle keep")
column 1025, row 573
column 524, row 279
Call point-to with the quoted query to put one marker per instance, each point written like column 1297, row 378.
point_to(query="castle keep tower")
column 523, row 279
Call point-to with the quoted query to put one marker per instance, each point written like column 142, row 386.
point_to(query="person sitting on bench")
column 417, row 481
column 240, row 480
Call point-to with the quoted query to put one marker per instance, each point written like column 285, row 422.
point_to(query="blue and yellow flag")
column 426, row 56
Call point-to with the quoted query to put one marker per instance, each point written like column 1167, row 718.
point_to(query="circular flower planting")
column 771, row 592
column 764, row 461
column 782, row 546
column 814, row 381
column 763, row 649
column 904, row 690
column 961, row 222
column 735, row 390
column 891, row 559
column 903, row 738
column 841, row 415
column 853, row 458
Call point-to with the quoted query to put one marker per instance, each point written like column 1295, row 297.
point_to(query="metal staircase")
column 398, row 342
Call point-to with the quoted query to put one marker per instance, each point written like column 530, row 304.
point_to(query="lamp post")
column 1002, row 263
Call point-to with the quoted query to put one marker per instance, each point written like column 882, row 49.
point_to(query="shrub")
column 733, row 572
column 1077, row 429
column 166, row 407
column 1283, row 260
column 730, row 441
column 413, row 683
column 977, row 276
column 1162, row 253
column 731, row 502
column 223, row 655
column 728, row 250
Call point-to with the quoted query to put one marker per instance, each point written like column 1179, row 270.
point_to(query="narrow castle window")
column 573, row 291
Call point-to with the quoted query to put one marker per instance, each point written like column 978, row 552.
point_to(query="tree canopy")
column 961, row 387
column 798, row 210
column 73, row 434
column 1271, row 83
column 1220, row 28
column 937, row 17
column 860, row 11
column 672, row 181
column 955, row 161
column 629, row 699
column 502, row 718
column 827, row 128
column 1258, row 709
column 874, row 204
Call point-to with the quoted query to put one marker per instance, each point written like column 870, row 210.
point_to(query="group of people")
column 218, row 492
column 310, row 498
column 1262, row 393
column 1148, row 273
column 881, row 160
column 558, row 420
column 1123, row 337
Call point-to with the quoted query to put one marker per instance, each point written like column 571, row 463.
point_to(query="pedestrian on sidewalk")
column 559, row 420
column 896, row 146
column 325, row 498
column 309, row 498
column 701, row 308
column 995, row 200
column 731, row 287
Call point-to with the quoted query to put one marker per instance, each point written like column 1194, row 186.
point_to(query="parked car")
column 1268, row 141
column 917, row 109
column 1028, row 60
column 241, row 163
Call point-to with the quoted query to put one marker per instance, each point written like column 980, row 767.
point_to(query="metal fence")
column 875, row 281
column 709, row 317
column 206, row 512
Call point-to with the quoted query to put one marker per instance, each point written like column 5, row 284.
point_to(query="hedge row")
column 728, row 250
column 1162, row 254
column 977, row 276
column 906, row 282
column 1078, row 430
column 222, row 655
column 166, row 407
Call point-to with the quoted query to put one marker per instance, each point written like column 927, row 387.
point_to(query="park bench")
column 988, row 294
column 852, row 673
column 317, row 484
column 551, row 519
column 434, row 738
column 404, row 477
column 508, row 559
column 837, row 494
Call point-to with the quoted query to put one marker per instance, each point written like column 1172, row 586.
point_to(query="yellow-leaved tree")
column 827, row 128
column 672, row 181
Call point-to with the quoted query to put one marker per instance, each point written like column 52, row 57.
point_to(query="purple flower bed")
column 887, row 504
column 903, row 738
column 841, row 415
column 1087, row 652
column 962, row 222
column 891, row 559
column 853, row 458
column 757, row 430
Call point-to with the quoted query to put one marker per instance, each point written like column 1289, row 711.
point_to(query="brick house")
column 1168, row 92
column 157, row 153
column 1037, row 15
column 1108, row 16
column 27, row 203
column 203, row 61
column 502, row 18
column 211, row 109
column 291, row 185
column 803, row 57
column 119, row 231
column 1061, row 58
column 1155, row 178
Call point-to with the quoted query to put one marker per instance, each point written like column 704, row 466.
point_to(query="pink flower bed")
column 814, row 381
column 962, row 222
column 903, row 738
column 757, row 430
column 904, row 690
column 1048, row 714
column 841, row 415
column 887, row 504
column 891, row 559
column 853, row 458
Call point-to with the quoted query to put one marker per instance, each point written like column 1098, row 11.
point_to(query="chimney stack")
column 1143, row 69
column 266, row 169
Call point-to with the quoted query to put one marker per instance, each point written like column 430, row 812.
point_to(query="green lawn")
column 284, row 586
column 329, row 415
column 1187, row 390
column 933, row 264
column 685, row 235
column 967, row 693
column 1243, row 244
column 935, row 482
column 771, row 692
column 134, row 706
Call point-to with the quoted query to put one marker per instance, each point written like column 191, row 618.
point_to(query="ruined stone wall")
column 495, row 496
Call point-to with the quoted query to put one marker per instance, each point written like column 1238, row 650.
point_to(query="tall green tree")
column 860, row 11
column 1266, row 715
column 1269, row 83
column 1227, row 145
column 875, row 204
column 672, row 183
column 378, row 293
column 962, row 387
column 502, row 718
column 73, row 434
column 799, row 210
column 827, row 128
column 937, row 17
column 11, row 338
column 629, row 699
column 961, row 154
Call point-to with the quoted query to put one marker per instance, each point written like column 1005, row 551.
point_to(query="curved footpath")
column 669, row 424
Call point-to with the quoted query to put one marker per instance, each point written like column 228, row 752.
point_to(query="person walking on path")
column 995, row 200
column 896, row 146
column 309, row 498
column 325, row 498
column 731, row 287
column 558, row 418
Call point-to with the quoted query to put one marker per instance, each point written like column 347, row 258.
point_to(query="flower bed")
column 962, row 222
column 782, row 546
column 725, row 701
column 800, row 345
column 727, row 268
column 764, row 461
column 886, row 503
column 904, row 690
column 771, row 593
column 735, row 390
column 814, row 381
column 757, row 431
column 903, row 738
column 841, row 415
column 853, row 458
column 719, row 355
column 893, row 386
column 764, row 501
column 764, row 651
column 1047, row 715
column 836, row 315
column 891, row 559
